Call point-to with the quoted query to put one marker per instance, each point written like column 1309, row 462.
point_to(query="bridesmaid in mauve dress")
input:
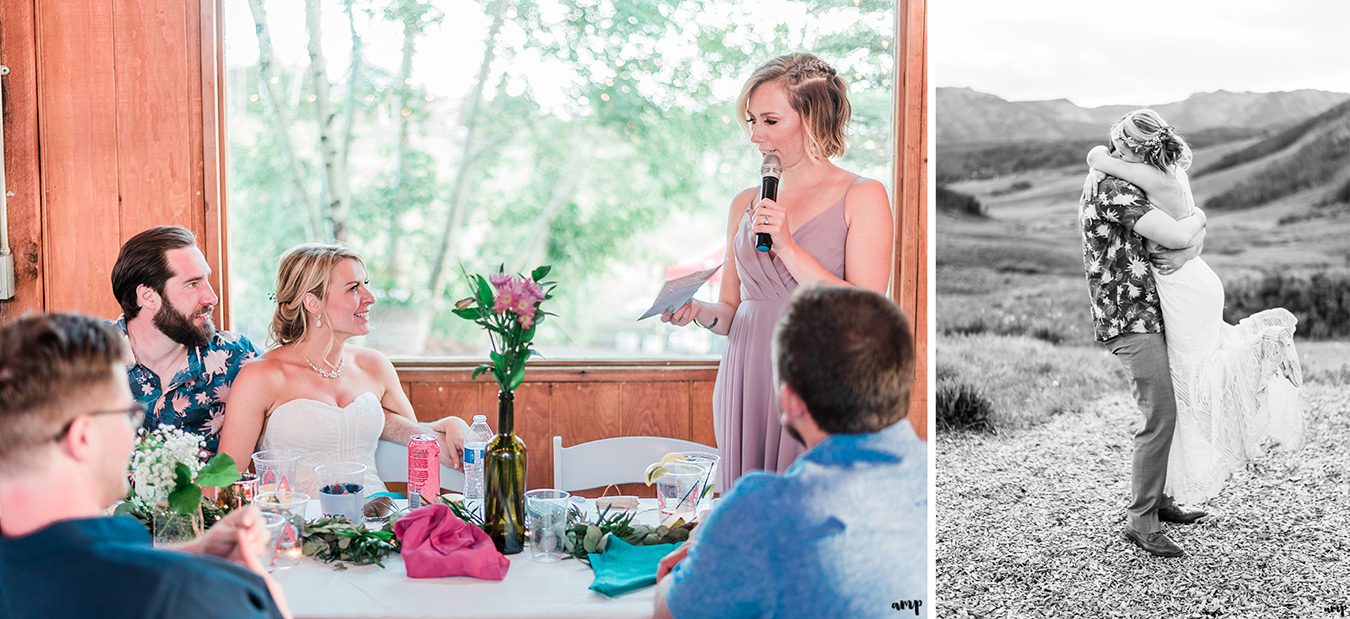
column 829, row 227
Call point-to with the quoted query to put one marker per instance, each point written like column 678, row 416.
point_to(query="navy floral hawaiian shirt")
column 195, row 399
column 1120, row 279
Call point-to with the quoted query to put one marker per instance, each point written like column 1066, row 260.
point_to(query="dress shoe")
column 1156, row 543
column 1174, row 514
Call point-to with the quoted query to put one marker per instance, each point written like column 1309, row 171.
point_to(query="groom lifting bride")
column 1158, row 308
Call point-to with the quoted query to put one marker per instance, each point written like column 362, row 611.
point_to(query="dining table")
column 532, row 588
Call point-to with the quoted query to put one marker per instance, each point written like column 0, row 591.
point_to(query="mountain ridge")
column 966, row 115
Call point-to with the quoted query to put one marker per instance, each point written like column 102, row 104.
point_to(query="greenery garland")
column 334, row 539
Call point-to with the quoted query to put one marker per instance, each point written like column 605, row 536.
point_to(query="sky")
column 1139, row 52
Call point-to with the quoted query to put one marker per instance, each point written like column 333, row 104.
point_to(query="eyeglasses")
column 135, row 417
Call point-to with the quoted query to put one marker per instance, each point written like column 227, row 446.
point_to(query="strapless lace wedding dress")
column 1236, row 385
column 325, row 434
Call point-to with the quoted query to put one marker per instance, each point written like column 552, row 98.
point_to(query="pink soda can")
column 424, row 470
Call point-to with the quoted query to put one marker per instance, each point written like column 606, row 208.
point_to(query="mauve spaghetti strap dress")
column 745, row 411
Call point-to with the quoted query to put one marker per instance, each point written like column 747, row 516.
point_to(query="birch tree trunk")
column 394, row 232
column 454, row 220
column 353, row 79
column 334, row 186
column 280, row 121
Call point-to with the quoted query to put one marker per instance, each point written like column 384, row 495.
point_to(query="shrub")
column 962, row 407
column 1321, row 301
column 957, row 203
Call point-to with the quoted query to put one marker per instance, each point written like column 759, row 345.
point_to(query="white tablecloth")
column 531, row 589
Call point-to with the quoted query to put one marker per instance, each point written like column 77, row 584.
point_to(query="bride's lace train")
column 1231, row 400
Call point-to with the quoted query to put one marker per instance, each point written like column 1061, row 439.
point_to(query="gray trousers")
column 1145, row 356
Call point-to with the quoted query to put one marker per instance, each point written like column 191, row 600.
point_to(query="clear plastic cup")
column 709, row 461
column 274, row 523
column 677, row 491
column 547, row 518
column 276, row 469
column 290, row 506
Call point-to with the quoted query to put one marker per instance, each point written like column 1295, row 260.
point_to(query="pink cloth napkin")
column 436, row 543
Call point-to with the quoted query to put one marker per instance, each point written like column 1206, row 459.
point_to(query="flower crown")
column 1118, row 132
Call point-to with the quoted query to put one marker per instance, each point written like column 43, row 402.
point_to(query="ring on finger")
column 765, row 221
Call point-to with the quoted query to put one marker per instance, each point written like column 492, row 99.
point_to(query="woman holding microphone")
column 828, row 226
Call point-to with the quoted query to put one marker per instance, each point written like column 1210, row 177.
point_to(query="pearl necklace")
column 333, row 374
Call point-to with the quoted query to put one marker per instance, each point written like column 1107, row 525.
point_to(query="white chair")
column 622, row 460
column 391, row 462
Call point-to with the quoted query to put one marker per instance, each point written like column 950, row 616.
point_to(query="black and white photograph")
column 1143, row 301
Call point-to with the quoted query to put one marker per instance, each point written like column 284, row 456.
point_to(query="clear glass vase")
column 170, row 527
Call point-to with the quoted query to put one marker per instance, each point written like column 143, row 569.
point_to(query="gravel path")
column 1028, row 525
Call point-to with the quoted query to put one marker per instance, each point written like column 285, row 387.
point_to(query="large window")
column 593, row 135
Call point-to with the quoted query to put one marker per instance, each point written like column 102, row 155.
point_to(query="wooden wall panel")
column 433, row 401
column 700, row 413
column 535, row 428
column 655, row 409
column 77, row 88
column 155, row 95
column 910, row 286
column 584, row 412
column 18, row 51
column 106, row 135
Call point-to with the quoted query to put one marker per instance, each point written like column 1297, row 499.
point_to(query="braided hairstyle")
column 815, row 91
column 1152, row 139
column 304, row 268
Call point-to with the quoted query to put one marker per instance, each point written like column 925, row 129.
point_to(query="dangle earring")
column 318, row 321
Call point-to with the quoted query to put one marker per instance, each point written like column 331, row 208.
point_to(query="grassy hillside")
column 1277, row 142
column 963, row 162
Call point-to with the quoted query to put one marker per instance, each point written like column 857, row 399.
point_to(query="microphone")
column 771, row 170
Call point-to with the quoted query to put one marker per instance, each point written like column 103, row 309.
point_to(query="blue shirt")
column 195, row 398
column 105, row 567
column 841, row 533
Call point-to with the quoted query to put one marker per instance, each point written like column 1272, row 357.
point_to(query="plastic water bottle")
column 475, row 449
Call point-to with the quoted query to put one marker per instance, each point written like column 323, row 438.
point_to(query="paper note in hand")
column 679, row 291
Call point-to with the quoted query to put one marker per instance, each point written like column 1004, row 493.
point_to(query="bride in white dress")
column 1236, row 385
column 315, row 393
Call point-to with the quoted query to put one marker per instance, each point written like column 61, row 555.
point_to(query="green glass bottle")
column 504, row 481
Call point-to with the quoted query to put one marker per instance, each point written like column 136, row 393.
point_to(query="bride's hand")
column 451, row 431
column 1167, row 261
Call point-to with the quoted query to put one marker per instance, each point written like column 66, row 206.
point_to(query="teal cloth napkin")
column 623, row 567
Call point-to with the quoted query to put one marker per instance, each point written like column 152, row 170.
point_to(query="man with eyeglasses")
column 68, row 426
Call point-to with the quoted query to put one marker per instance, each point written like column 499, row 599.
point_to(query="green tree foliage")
column 503, row 170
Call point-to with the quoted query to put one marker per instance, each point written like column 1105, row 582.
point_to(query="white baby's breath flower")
column 157, row 456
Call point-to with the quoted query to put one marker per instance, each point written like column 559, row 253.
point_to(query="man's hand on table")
column 669, row 561
column 237, row 536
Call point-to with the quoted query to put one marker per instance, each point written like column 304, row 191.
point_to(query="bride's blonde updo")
column 304, row 268
column 1155, row 141
column 815, row 91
